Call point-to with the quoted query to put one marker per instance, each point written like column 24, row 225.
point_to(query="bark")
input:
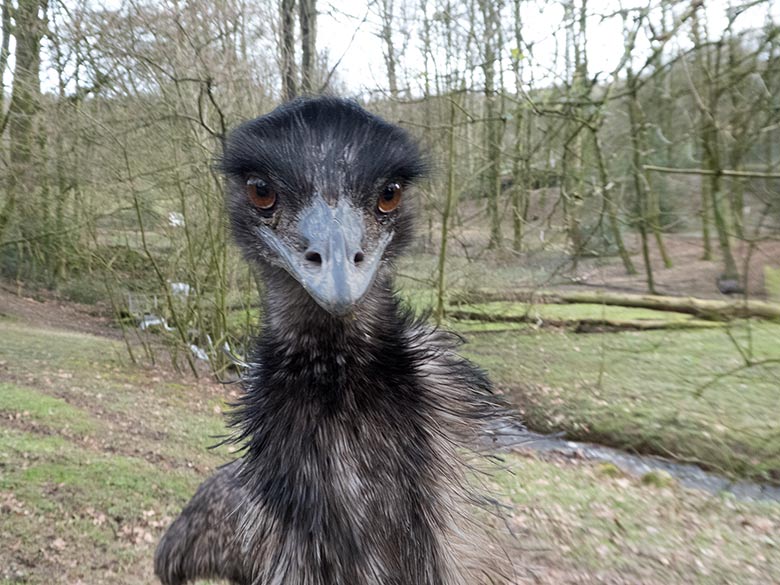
column 520, row 156
column 492, row 175
column 609, row 205
column 641, row 195
column 702, row 308
column 23, row 112
column 6, row 32
column 448, row 207
column 705, row 221
column 389, row 46
column 287, row 48
column 585, row 324
column 308, row 20
column 705, row 185
column 712, row 162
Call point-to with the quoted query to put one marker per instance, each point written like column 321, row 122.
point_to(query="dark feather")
column 355, row 430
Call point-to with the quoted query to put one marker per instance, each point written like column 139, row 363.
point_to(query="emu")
column 357, row 420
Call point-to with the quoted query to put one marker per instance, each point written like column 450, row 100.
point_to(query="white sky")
column 343, row 31
column 347, row 30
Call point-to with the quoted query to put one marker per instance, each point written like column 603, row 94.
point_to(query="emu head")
column 318, row 191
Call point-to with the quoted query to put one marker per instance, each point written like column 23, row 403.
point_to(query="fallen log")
column 711, row 310
column 585, row 324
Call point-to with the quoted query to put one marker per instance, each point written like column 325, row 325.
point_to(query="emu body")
column 355, row 417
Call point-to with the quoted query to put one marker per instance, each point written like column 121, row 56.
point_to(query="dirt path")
column 689, row 275
column 43, row 308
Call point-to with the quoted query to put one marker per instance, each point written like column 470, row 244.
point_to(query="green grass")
column 96, row 456
column 606, row 522
column 50, row 411
column 73, row 511
column 679, row 393
column 103, row 453
column 119, row 485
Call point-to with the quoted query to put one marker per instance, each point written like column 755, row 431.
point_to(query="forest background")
column 602, row 224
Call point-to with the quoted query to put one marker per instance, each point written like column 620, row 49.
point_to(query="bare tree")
column 287, row 49
column 23, row 112
column 308, row 19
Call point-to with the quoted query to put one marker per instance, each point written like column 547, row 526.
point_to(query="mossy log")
column 585, row 324
column 711, row 310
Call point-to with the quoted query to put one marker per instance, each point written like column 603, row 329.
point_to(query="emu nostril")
column 313, row 257
column 359, row 257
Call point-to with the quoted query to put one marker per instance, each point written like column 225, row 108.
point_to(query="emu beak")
column 334, row 269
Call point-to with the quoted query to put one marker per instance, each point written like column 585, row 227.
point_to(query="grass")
column 49, row 410
column 686, row 394
column 120, row 485
column 97, row 455
column 676, row 393
column 591, row 519
column 772, row 283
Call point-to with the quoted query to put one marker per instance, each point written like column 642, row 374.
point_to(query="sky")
column 347, row 29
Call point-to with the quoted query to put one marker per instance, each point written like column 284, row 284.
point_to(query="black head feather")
column 325, row 146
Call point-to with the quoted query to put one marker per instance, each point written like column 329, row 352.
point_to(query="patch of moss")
column 772, row 283
column 658, row 478
column 607, row 469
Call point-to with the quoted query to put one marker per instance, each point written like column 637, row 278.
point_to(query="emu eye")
column 390, row 197
column 261, row 194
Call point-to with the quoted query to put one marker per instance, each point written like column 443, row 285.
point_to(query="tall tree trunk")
column 639, row 186
column 287, row 47
column 519, row 158
column 705, row 184
column 493, row 131
column 449, row 204
column 704, row 195
column 6, row 32
column 308, row 19
column 609, row 204
column 389, row 46
column 573, row 184
column 712, row 162
column 23, row 113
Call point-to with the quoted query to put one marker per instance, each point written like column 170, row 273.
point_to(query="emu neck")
column 341, row 465
column 294, row 322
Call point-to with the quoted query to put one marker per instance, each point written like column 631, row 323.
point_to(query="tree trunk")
column 389, row 46
column 22, row 115
column 448, row 206
column 287, row 47
column 493, row 132
column 609, row 205
column 308, row 19
column 702, row 308
column 519, row 157
column 641, row 196
column 6, row 32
